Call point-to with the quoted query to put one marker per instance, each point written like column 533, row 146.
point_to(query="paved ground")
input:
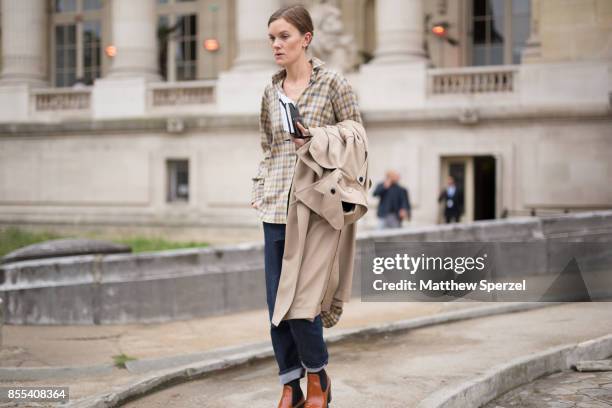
column 401, row 370
column 57, row 346
column 568, row 389
column 51, row 346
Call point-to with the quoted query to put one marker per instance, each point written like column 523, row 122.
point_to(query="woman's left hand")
column 298, row 141
column 305, row 132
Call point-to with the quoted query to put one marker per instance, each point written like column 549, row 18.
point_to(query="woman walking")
column 323, row 97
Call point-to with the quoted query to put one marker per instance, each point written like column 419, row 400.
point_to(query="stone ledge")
column 248, row 122
column 503, row 378
column 136, row 125
column 184, row 284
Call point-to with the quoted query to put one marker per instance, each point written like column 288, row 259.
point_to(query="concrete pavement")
column 401, row 370
column 89, row 345
column 156, row 345
column 567, row 389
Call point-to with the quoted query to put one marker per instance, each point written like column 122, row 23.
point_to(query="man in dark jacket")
column 452, row 197
column 394, row 204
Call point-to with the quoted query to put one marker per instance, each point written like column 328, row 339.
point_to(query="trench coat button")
column 360, row 179
column 333, row 191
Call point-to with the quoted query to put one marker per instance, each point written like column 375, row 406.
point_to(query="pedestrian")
column 394, row 203
column 452, row 197
column 324, row 98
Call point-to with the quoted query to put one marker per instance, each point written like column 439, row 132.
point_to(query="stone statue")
column 329, row 43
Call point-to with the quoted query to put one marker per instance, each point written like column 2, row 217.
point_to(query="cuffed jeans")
column 298, row 343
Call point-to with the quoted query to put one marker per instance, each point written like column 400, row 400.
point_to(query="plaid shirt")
column 327, row 100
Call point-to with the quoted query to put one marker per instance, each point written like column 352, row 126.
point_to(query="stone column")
column 252, row 31
column 533, row 49
column 254, row 66
column 134, row 30
column 24, row 30
column 123, row 92
column 396, row 78
column 400, row 31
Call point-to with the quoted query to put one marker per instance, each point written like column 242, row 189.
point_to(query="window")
column 92, row 50
column 187, row 47
column 488, row 29
column 521, row 27
column 500, row 29
column 65, row 54
column 178, row 180
column 92, row 5
column 64, row 6
column 177, row 32
column 77, row 41
column 163, row 32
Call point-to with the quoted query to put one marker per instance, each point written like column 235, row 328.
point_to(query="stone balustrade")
column 62, row 99
column 182, row 93
column 473, row 80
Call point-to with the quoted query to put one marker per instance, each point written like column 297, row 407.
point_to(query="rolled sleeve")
column 265, row 138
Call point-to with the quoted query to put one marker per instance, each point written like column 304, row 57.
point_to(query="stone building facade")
column 140, row 116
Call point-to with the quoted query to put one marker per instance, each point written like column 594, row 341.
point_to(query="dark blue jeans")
column 298, row 343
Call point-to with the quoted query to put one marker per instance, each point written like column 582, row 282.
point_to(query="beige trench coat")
column 328, row 195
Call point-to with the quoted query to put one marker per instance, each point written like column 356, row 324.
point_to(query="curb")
column 521, row 371
column 142, row 366
column 141, row 387
column 47, row 373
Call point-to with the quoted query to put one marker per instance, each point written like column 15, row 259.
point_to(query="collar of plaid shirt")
column 277, row 80
column 278, row 77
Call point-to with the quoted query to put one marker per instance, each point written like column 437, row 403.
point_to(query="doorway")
column 476, row 177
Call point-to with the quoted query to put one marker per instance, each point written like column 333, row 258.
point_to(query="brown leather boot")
column 315, row 396
column 287, row 398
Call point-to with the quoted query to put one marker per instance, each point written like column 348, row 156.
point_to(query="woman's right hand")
column 255, row 205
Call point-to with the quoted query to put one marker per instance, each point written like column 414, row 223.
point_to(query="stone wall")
column 110, row 178
column 191, row 283
column 572, row 30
